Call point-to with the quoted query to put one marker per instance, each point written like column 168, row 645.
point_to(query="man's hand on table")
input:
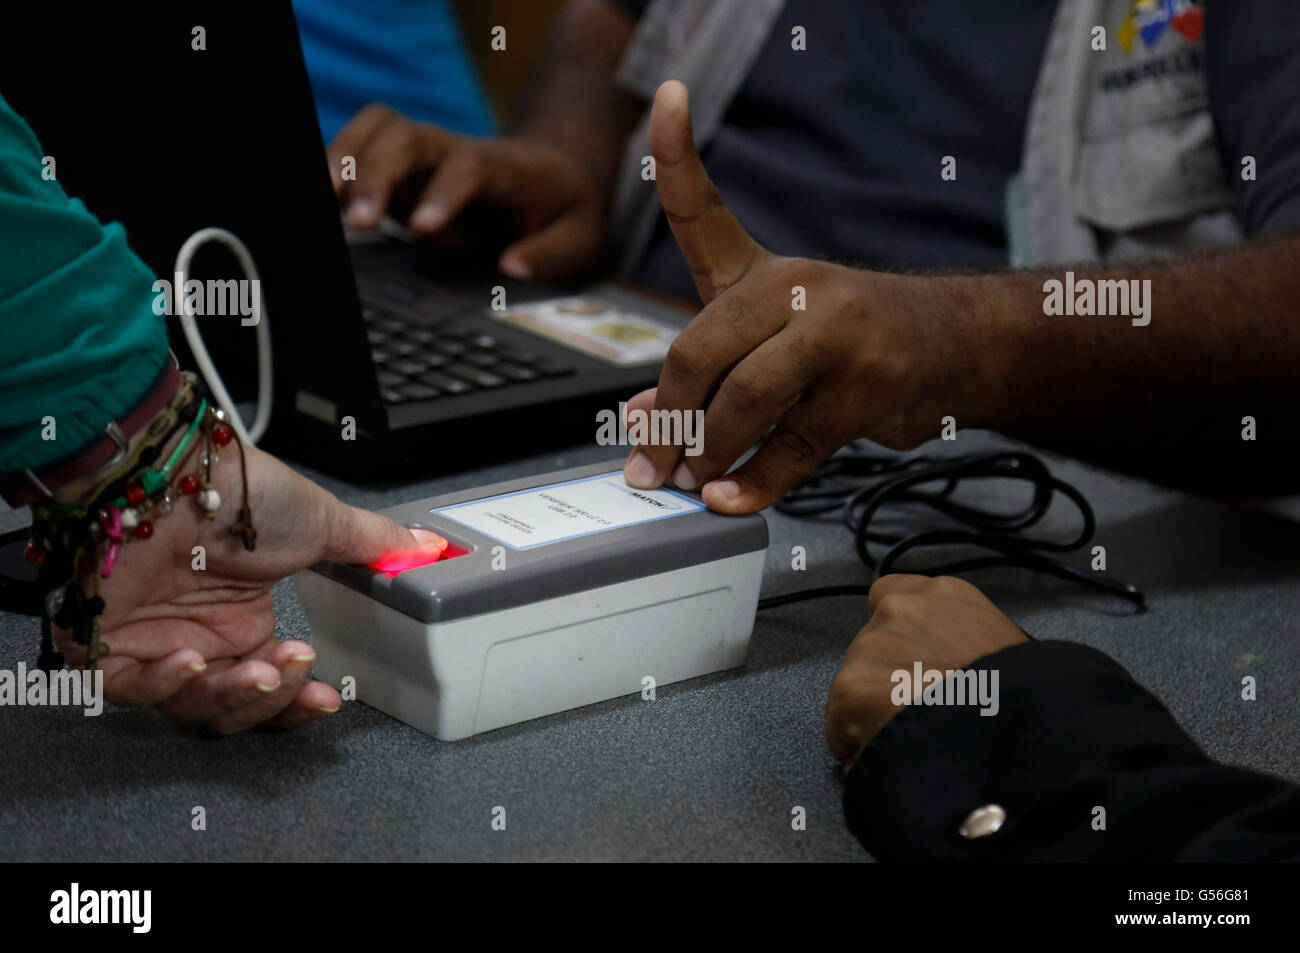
column 943, row 623
column 199, row 644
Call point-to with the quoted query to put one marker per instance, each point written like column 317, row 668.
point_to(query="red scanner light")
column 396, row 563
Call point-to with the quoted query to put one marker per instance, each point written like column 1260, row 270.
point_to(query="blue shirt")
column 835, row 152
column 407, row 54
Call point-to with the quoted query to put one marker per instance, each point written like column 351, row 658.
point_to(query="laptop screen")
column 170, row 117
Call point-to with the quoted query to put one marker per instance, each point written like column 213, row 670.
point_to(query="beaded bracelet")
column 74, row 540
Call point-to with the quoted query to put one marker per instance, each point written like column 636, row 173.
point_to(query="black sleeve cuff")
column 1073, row 732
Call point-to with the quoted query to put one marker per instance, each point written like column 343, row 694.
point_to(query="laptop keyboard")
column 426, row 362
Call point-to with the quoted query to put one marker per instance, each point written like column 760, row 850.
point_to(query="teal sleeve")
column 81, row 342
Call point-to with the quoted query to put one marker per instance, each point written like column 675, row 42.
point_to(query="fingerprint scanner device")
column 557, row 591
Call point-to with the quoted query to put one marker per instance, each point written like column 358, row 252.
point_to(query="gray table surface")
column 708, row 771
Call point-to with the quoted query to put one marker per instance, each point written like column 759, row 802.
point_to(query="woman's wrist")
column 70, row 478
column 78, row 490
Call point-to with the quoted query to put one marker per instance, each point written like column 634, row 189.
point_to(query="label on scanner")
column 551, row 514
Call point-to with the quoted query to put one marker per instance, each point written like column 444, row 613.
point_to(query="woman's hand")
column 191, row 631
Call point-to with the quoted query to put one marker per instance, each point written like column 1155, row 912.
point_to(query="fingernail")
column 516, row 267
column 267, row 688
column 426, row 538
column 722, row 491
column 640, row 472
column 684, row 479
column 361, row 211
column 303, row 657
column 197, row 666
column 326, row 711
column 428, row 216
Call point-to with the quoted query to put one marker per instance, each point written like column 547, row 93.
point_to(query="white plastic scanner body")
column 564, row 594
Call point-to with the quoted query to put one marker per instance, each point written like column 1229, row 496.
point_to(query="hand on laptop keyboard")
column 556, row 200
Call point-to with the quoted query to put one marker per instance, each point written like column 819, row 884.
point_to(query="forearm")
column 1165, row 399
column 82, row 341
column 575, row 103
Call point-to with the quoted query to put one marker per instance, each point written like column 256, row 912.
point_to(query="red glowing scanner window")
column 400, row 562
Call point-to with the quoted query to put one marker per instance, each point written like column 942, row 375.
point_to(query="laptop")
column 438, row 362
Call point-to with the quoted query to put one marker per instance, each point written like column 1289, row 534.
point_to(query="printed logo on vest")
column 1149, row 19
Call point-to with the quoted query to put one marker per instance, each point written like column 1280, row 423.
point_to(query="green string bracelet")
column 151, row 481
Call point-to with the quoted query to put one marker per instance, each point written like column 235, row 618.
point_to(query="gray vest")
column 1119, row 156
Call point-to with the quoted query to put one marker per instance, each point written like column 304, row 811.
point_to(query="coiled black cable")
column 860, row 484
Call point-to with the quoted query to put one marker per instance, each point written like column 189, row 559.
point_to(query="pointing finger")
column 717, row 249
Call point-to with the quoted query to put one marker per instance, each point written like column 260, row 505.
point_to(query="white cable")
column 209, row 371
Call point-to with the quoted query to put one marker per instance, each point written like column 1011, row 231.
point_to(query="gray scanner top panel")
column 468, row 585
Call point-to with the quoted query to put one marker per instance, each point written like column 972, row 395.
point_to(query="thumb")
column 717, row 249
column 561, row 248
column 364, row 538
column 796, row 446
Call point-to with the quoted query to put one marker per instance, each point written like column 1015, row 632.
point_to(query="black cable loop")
column 839, row 485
